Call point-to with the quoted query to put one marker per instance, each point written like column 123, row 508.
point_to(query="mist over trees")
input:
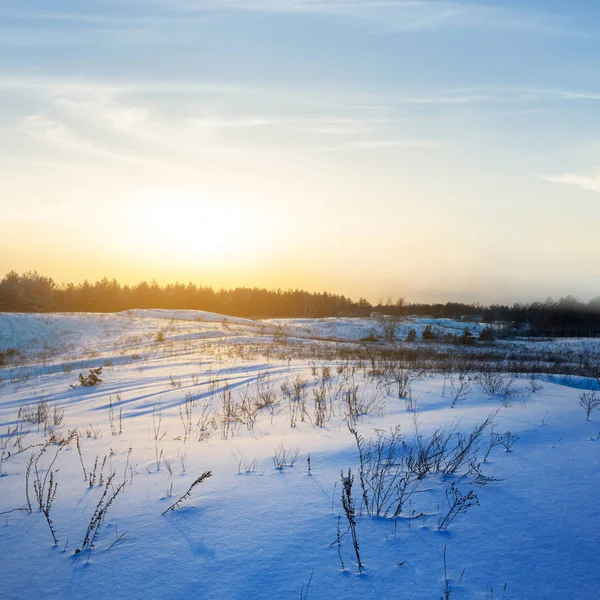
column 32, row 292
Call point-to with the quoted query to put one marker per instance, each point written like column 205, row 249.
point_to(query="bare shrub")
column 39, row 483
column 360, row 402
column 46, row 505
column 246, row 467
column 465, row 448
column 267, row 400
column 348, row 505
column 283, row 457
column 116, row 423
column 589, row 401
column 228, row 413
column 92, row 473
column 448, row 451
column 320, row 396
column 14, row 437
column 56, row 437
column 3, row 453
column 205, row 424
column 93, row 432
column 81, row 457
column 288, row 394
column 157, row 433
column 492, row 383
column 457, row 503
column 510, row 392
column 247, row 411
column 297, row 399
column 387, row 472
column 507, row 440
column 404, row 377
column 492, row 443
column 35, row 414
column 174, row 383
column 185, row 412
column 459, row 388
column 58, row 414
column 42, row 413
column 391, row 468
column 534, row 384
column 388, row 326
column 102, row 507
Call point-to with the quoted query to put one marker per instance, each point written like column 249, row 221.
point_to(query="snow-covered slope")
column 166, row 412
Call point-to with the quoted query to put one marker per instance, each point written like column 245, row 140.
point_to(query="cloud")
column 570, row 94
column 101, row 107
column 380, row 145
column 590, row 183
column 397, row 15
column 243, row 127
column 123, row 122
column 58, row 134
column 386, row 15
column 202, row 110
column 448, row 99
column 512, row 93
column 293, row 6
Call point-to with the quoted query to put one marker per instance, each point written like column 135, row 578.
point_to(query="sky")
column 434, row 150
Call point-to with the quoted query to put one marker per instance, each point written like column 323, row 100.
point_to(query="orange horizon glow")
column 287, row 148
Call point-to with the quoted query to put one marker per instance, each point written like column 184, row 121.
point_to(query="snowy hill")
column 513, row 501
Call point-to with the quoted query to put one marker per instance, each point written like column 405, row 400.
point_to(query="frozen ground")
column 213, row 397
column 67, row 334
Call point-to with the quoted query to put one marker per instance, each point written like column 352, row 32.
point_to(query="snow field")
column 255, row 531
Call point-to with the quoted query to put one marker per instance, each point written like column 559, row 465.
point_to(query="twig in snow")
column 200, row 479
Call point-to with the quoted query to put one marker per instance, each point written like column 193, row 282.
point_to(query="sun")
column 187, row 226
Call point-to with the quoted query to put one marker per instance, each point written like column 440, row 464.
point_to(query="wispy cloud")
column 447, row 99
column 105, row 122
column 386, row 15
column 399, row 15
column 243, row 126
column 381, row 144
column 58, row 134
column 336, row 98
column 591, row 183
column 516, row 93
column 569, row 94
column 99, row 19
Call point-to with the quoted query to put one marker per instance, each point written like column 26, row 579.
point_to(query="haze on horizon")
column 429, row 149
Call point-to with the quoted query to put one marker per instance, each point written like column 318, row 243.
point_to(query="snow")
column 262, row 534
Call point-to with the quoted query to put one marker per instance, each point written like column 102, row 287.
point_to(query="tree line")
column 566, row 317
column 32, row 292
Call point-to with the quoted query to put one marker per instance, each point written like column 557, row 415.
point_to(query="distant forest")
column 31, row 292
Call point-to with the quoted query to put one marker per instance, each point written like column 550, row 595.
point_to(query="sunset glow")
column 365, row 148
